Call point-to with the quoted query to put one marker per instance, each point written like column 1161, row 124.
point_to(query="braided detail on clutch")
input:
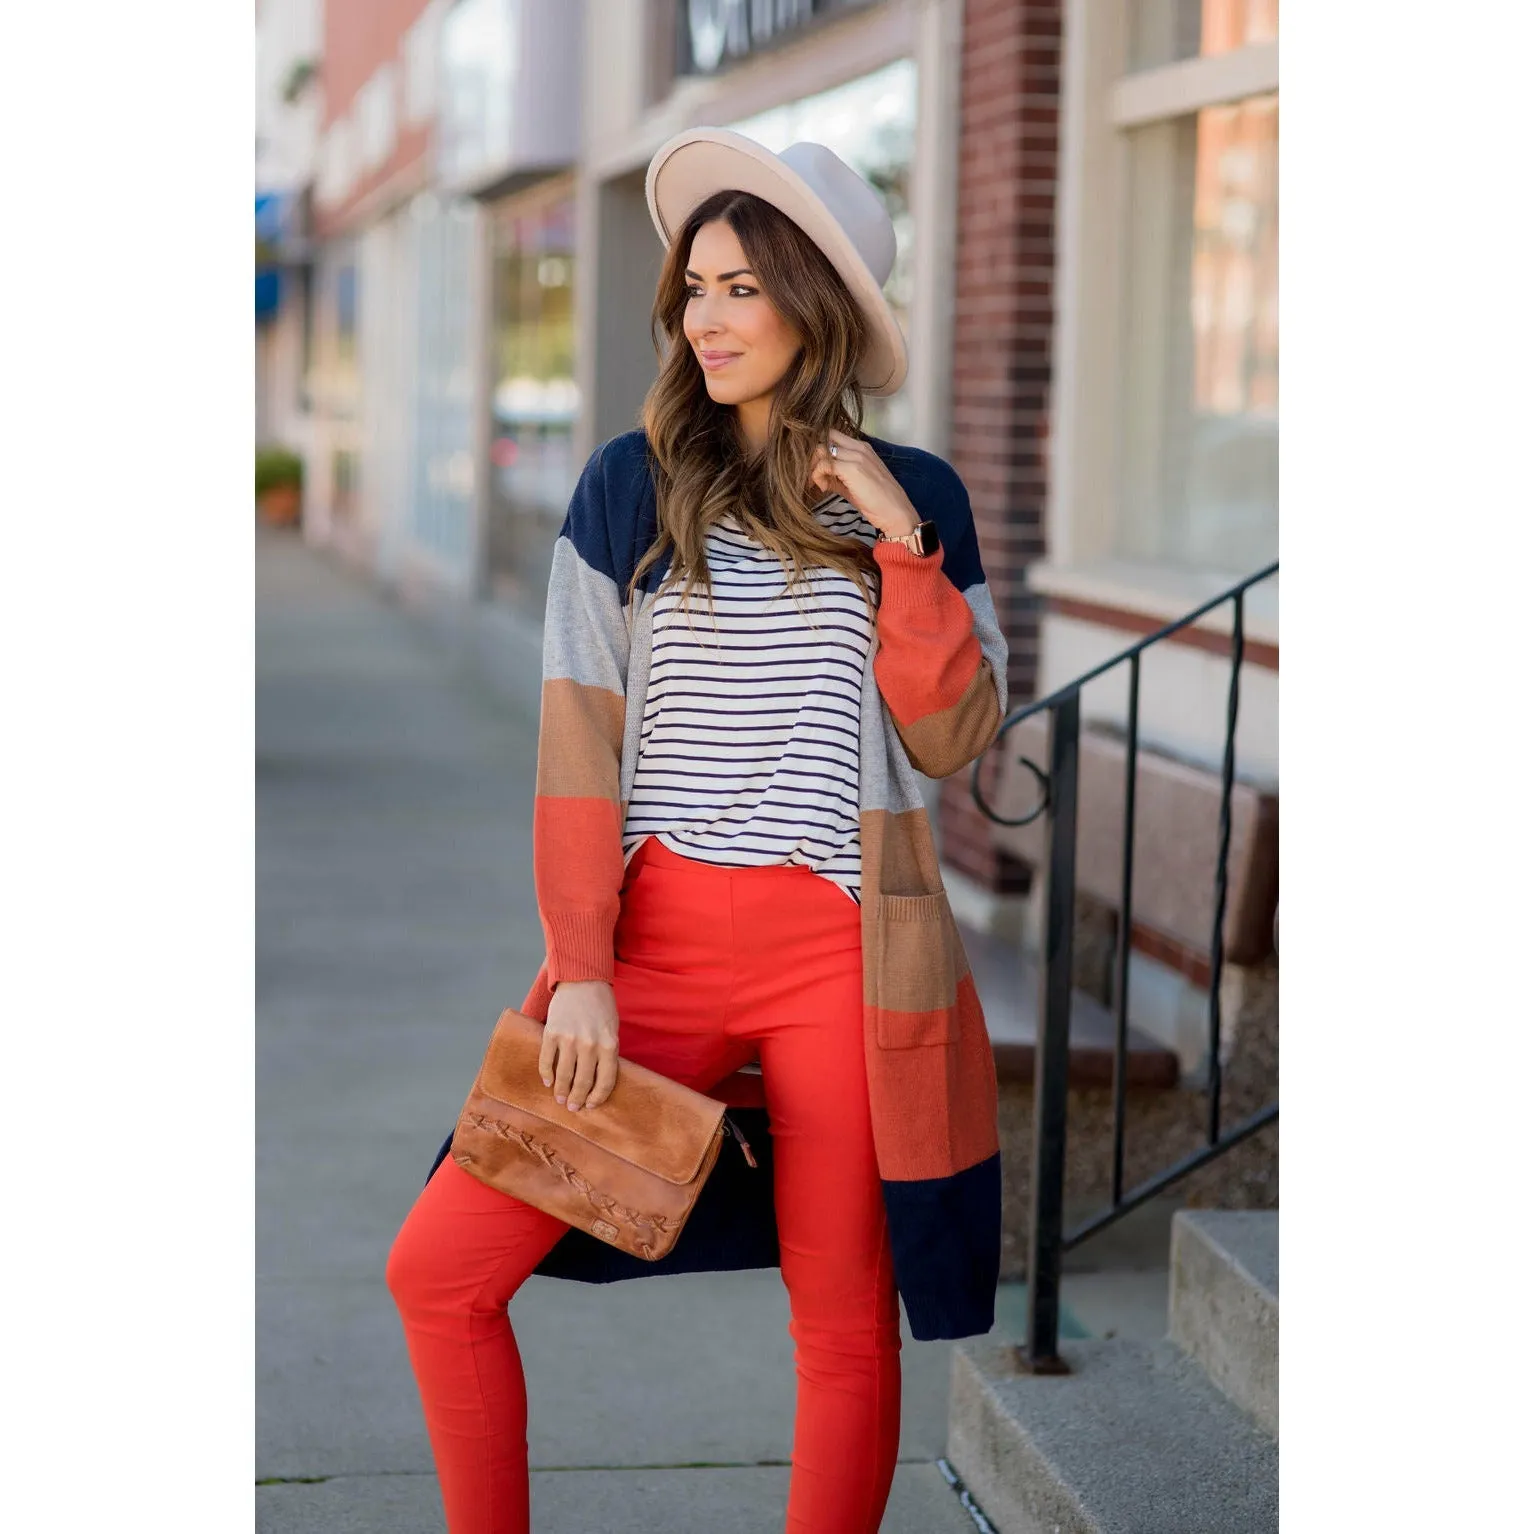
column 556, row 1163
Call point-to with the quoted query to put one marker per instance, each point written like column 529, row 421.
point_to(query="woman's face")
column 741, row 342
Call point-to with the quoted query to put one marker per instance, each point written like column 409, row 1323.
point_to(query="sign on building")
column 712, row 34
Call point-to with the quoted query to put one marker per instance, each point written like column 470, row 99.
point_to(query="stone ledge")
column 1223, row 1304
column 1134, row 1441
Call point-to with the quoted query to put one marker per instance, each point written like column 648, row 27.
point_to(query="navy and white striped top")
column 748, row 751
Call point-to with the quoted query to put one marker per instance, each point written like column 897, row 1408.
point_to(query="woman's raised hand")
column 859, row 474
column 579, row 1058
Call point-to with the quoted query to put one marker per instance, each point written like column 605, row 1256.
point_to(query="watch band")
column 922, row 542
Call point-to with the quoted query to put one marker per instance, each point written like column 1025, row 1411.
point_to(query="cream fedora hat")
column 823, row 195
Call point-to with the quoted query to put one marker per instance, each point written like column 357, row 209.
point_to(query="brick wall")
column 1003, row 323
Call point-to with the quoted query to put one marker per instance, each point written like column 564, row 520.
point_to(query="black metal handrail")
column 1048, row 1241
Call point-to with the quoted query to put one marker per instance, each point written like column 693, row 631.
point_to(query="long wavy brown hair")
column 701, row 464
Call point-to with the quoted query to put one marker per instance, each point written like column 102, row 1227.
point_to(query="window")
column 1198, row 450
column 1167, row 385
column 435, row 370
column 479, row 61
column 309, row 283
column 421, row 43
column 870, row 123
column 346, row 313
column 343, row 483
column 534, row 401
column 1167, row 31
column 337, row 169
column 376, row 115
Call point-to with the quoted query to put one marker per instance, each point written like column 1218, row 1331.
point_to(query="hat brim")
column 692, row 166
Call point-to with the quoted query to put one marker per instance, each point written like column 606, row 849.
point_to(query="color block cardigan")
column 934, row 692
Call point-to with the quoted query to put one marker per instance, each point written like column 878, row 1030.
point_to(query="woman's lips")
column 712, row 360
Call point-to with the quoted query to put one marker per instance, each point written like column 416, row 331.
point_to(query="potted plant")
column 279, row 485
column 301, row 74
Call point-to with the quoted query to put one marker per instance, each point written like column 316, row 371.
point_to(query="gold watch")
column 922, row 542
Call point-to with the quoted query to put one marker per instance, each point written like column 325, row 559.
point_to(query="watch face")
column 928, row 533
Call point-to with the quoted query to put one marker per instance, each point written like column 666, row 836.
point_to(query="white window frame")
column 337, row 170
column 377, row 114
column 1100, row 100
column 421, row 48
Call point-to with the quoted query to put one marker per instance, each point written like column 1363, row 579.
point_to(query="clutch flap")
column 650, row 1121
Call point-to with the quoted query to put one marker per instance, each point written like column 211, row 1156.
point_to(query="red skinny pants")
column 715, row 967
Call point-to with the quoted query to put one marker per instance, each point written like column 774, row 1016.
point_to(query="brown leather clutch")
column 629, row 1171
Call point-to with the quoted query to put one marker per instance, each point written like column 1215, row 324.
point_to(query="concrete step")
column 1223, row 1302
column 1135, row 1440
column 1007, row 982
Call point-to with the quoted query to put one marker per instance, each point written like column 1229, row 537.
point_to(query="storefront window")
column 445, row 231
column 870, row 123
column 534, row 401
column 346, row 316
column 308, row 295
column 479, row 71
column 1167, row 31
column 336, row 386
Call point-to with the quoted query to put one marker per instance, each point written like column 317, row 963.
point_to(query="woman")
column 761, row 625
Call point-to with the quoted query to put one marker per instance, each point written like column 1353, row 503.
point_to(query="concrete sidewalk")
column 395, row 917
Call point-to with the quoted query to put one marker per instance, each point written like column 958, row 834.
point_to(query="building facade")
column 392, row 381
column 440, row 120
column 1115, row 386
column 287, row 125
column 371, row 200
column 1164, row 441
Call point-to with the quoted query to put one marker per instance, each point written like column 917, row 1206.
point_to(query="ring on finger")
column 833, row 450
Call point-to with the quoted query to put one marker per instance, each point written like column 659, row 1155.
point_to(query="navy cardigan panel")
column 612, row 518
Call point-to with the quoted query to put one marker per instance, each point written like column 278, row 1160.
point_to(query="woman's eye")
column 737, row 290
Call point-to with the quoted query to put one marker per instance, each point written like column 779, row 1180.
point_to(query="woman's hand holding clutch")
column 579, row 1058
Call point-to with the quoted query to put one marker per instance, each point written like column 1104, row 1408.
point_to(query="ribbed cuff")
column 580, row 946
column 911, row 580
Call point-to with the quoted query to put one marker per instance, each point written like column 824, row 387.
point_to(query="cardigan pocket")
column 915, row 972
